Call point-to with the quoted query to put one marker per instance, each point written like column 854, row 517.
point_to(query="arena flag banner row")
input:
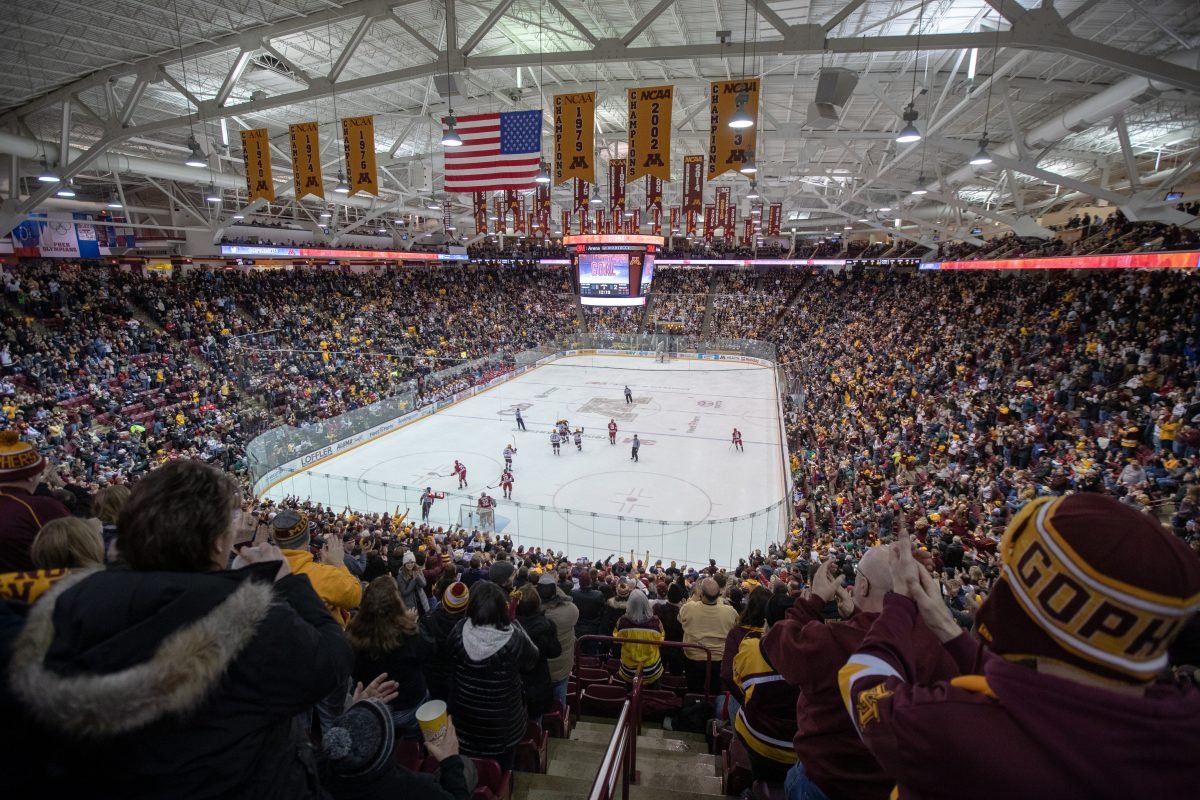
column 358, row 136
column 729, row 148
column 479, row 208
column 256, row 157
column 650, row 132
column 306, row 159
column 693, row 183
column 724, row 196
column 574, row 137
column 710, row 223
column 500, row 150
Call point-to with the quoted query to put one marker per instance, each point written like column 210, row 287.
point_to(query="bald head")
column 709, row 590
column 874, row 568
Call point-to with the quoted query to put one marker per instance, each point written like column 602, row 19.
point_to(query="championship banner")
column 654, row 192
column 774, row 219
column 256, row 155
column 730, row 222
column 674, row 219
column 747, row 230
column 691, row 222
column 616, row 186
column 306, row 159
column 693, row 183
column 358, row 135
column 500, row 212
column 574, row 137
column 582, row 196
column 656, row 222
column 723, row 196
column 637, row 221
column 710, row 223
column 479, row 207
column 600, row 221
column 585, row 223
column 511, row 200
column 650, row 132
column 566, row 223
column 729, row 148
column 519, row 215
column 541, row 205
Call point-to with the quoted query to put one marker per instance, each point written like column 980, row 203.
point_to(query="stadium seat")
column 533, row 750
column 602, row 700
column 493, row 783
column 737, row 774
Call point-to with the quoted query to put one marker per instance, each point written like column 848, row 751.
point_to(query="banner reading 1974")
column 306, row 159
column 650, row 132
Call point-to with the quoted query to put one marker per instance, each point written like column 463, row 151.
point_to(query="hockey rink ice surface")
column 589, row 503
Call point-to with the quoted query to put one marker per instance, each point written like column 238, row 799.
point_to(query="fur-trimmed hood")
column 105, row 653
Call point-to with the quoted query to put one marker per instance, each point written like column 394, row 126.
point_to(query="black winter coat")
column 591, row 611
column 486, row 700
column 539, row 691
column 183, row 685
column 439, row 667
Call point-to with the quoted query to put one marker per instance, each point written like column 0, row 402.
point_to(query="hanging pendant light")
column 741, row 117
column 114, row 201
column 47, row 175
column 342, row 187
column 543, row 175
column 66, row 190
column 196, row 156
column 212, row 195
column 748, row 166
column 909, row 133
column 753, row 193
column 450, row 137
column 920, row 186
column 983, row 156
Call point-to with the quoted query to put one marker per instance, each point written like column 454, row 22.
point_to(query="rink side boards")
column 305, row 462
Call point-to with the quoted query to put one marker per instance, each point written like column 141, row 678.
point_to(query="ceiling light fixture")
column 114, row 201
column 741, row 117
column 920, row 186
column 748, row 166
column 450, row 137
column 196, row 157
column 543, row 175
column 212, row 195
column 753, row 193
column 47, row 175
column 66, row 190
column 909, row 133
column 342, row 187
column 983, row 156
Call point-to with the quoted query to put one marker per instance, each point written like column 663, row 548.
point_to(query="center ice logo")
column 613, row 409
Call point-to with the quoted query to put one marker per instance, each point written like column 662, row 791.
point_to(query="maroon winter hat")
column 1094, row 583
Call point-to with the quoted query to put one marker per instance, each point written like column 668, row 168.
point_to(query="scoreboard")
column 613, row 269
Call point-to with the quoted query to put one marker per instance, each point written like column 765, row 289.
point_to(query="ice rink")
column 597, row 501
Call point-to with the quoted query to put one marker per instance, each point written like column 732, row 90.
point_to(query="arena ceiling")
column 127, row 81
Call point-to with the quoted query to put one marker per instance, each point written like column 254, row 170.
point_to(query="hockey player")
column 612, row 431
column 506, row 482
column 509, row 452
column 636, row 444
column 579, row 439
column 460, row 470
column 628, row 396
column 486, row 500
column 737, row 440
column 555, row 441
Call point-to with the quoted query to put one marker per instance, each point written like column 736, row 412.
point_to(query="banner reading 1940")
column 256, row 155
column 650, row 132
column 729, row 148
column 306, row 159
column 358, row 135
column 574, row 137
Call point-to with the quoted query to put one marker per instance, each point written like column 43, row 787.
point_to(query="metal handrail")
column 594, row 637
column 622, row 749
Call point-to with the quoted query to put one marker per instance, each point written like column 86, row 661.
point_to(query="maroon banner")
column 710, row 222
column 656, row 221
column 511, row 199
column 654, row 192
column 690, row 216
column 637, row 221
column 600, row 228
column 479, row 207
column 747, row 230
column 566, row 223
column 500, row 209
column 724, row 193
column 616, row 187
column 674, row 220
column 542, row 206
column 693, row 183
column 775, row 219
column 581, row 195
column 519, row 215
column 730, row 222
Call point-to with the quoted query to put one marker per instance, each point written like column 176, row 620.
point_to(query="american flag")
column 499, row 151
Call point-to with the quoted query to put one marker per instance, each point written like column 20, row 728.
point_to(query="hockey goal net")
column 662, row 356
column 472, row 517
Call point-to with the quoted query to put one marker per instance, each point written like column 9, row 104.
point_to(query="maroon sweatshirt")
column 1012, row 732
column 808, row 653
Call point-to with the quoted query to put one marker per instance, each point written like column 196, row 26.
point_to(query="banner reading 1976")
column 358, row 135
column 574, row 137
column 650, row 132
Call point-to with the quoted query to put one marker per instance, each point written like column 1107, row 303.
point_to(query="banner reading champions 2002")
column 729, row 148
column 650, row 132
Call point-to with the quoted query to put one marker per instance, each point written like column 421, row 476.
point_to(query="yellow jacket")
column 334, row 584
column 29, row 586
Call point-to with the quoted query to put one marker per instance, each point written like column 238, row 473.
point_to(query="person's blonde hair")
column 67, row 543
column 109, row 502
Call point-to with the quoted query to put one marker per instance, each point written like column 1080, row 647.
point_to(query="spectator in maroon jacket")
column 22, row 513
column 1070, row 697
column 831, row 760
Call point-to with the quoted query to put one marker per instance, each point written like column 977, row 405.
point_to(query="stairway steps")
column 531, row 786
column 588, row 723
column 649, row 743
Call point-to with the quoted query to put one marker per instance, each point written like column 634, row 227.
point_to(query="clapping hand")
column 259, row 553
column 334, row 551
column 912, row 580
column 380, row 689
column 827, row 581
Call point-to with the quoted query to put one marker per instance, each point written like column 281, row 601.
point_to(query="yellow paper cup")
column 432, row 719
